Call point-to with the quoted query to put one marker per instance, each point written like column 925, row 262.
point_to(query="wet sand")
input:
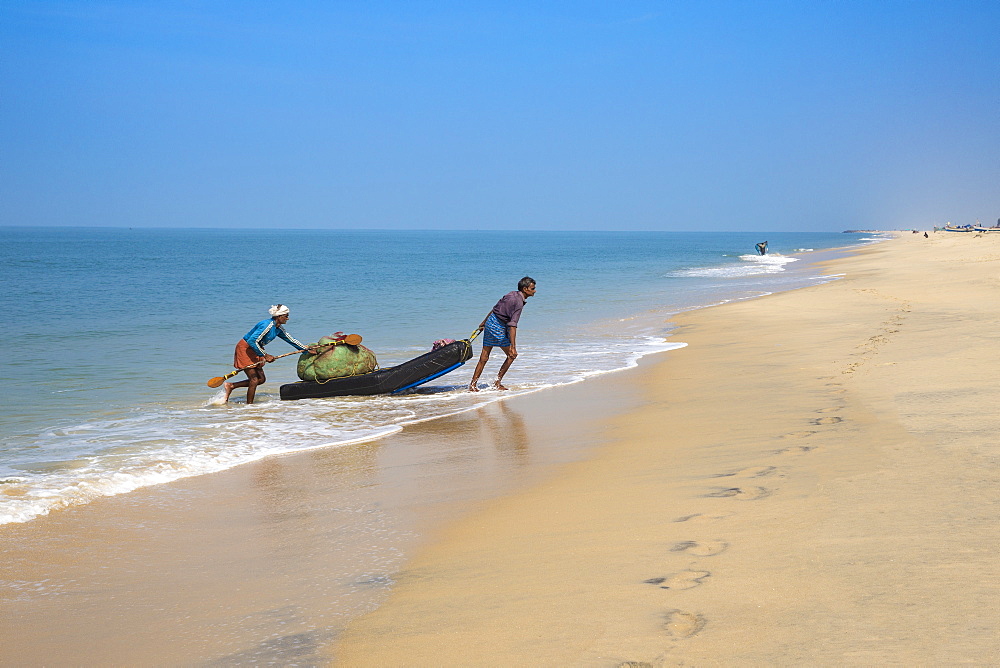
column 266, row 563
column 812, row 481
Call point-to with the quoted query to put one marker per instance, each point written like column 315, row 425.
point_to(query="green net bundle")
column 335, row 361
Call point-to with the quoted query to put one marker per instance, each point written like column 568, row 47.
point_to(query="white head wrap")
column 279, row 309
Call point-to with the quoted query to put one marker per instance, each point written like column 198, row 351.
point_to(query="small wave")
column 750, row 265
column 163, row 446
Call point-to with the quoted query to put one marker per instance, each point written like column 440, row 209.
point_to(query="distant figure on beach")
column 762, row 248
column 250, row 350
column 925, row 236
column 500, row 327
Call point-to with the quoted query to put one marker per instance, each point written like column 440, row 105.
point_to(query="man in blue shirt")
column 250, row 355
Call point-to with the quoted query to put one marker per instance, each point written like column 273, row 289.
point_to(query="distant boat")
column 956, row 228
column 980, row 228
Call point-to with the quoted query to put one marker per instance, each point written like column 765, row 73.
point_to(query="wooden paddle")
column 350, row 339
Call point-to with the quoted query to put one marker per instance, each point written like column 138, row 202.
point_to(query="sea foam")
column 748, row 265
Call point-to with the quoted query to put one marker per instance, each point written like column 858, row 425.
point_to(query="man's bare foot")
column 229, row 390
column 497, row 385
column 472, row 387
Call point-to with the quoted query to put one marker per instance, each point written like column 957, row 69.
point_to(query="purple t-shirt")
column 508, row 309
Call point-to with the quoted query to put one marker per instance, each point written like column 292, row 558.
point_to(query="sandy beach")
column 811, row 481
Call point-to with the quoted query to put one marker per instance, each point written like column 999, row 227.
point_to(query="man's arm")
column 290, row 339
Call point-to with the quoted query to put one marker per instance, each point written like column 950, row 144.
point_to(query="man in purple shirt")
column 500, row 327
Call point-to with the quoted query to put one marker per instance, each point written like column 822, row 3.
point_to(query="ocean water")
column 116, row 331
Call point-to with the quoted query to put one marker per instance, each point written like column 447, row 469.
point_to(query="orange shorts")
column 245, row 355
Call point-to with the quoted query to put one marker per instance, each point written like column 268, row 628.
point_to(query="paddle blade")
column 216, row 382
column 352, row 339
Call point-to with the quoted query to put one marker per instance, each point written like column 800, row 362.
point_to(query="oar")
column 350, row 339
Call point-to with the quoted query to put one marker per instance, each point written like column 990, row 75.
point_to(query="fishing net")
column 336, row 361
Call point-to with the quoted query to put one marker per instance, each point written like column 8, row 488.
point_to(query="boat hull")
column 397, row 378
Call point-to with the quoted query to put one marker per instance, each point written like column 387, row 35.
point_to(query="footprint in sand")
column 798, row 434
column 700, row 548
column 742, row 493
column 682, row 580
column 682, row 624
column 703, row 517
column 832, row 409
column 795, row 450
column 752, row 472
column 827, row 420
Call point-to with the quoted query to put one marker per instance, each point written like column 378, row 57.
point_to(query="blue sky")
column 506, row 115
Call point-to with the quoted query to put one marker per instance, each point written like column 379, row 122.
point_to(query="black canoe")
column 394, row 379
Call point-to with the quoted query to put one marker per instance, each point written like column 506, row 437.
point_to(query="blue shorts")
column 495, row 333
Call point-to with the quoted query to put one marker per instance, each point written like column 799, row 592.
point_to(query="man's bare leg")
column 232, row 386
column 511, row 356
column 483, row 356
column 256, row 377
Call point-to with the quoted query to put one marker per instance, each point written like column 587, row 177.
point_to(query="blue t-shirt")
column 264, row 332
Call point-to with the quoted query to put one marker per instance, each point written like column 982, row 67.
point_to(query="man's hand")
column 268, row 358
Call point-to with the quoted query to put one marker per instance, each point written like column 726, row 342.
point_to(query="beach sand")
column 813, row 480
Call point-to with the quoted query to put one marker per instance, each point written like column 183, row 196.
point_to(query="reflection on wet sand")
column 505, row 428
column 266, row 563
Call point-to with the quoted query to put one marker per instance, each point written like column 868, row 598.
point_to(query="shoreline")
column 25, row 497
column 533, row 530
column 811, row 480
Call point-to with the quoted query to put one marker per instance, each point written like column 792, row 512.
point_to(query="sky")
column 562, row 115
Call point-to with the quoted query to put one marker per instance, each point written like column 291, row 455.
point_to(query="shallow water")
column 119, row 330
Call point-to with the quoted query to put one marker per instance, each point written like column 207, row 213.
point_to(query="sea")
column 114, row 333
